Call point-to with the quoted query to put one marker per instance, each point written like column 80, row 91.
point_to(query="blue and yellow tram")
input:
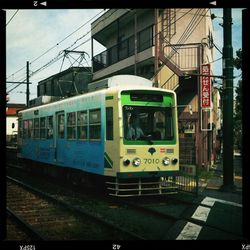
column 126, row 132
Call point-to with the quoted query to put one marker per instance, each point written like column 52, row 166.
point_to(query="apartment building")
column 168, row 46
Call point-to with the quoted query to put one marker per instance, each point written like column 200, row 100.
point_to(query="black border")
column 77, row 4
column 245, row 119
column 3, row 123
column 64, row 4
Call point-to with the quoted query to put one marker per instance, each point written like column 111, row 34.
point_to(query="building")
column 69, row 82
column 12, row 122
column 168, row 46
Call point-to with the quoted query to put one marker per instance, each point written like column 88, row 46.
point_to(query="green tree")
column 238, row 103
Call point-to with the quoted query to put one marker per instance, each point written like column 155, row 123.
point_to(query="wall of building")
column 189, row 26
column 9, row 121
column 187, row 51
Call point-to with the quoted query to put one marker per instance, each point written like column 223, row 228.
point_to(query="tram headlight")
column 166, row 161
column 174, row 161
column 136, row 162
column 126, row 162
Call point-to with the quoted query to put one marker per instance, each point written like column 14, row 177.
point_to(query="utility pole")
column 135, row 33
column 28, row 89
column 157, row 44
column 228, row 161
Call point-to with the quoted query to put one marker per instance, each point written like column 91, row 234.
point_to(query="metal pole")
column 228, row 166
column 156, row 46
column 92, row 55
column 28, row 90
column 135, row 69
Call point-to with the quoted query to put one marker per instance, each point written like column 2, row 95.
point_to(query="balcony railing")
column 124, row 49
column 184, row 56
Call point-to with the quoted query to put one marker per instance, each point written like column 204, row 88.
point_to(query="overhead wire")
column 12, row 17
column 33, row 60
column 59, row 56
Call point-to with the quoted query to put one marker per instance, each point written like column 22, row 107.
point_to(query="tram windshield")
column 148, row 123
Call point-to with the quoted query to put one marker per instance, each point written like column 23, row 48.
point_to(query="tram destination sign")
column 205, row 86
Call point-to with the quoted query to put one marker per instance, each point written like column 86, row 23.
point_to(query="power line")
column 186, row 34
column 32, row 61
column 12, row 17
column 60, row 54
column 68, row 36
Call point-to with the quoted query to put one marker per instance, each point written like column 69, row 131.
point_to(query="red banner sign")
column 205, row 86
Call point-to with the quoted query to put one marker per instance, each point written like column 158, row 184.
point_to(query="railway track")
column 122, row 215
column 20, row 230
column 144, row 218
column 53, row 219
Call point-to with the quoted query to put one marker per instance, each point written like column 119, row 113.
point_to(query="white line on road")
column 209, row 201
column 191, row 231
column 201, row 213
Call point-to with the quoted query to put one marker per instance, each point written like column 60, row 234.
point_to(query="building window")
column 36, row 128
column 82, row 125
column 95, row 124
column 109, row 124
column 71, row 125
column 145, row 39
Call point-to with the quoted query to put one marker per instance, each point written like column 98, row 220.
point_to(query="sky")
column 40, row 36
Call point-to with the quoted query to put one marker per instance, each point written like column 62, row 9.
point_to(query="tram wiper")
column 148, row 138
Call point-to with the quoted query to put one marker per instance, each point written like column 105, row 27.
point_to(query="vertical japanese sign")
column 205, row 86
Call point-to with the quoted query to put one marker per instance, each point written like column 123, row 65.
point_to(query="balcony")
column 124, row 49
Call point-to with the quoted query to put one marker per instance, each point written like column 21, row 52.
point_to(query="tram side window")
column 60, row 124
column 49, row 126
column 30, row 129
column 82, row 125
column 25, row 129
column 42, row 128
column 109, row 124
column 20, row 128
column 169, row 125
column 36, row 128
column 95, row 124
column 71, row 125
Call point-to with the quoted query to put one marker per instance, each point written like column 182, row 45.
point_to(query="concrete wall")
column 9, row 121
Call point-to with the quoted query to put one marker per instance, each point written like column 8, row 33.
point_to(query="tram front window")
column 148, row 123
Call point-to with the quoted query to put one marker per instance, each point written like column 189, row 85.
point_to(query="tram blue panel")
column 61, row 153
column 86, row 156
column 46, row 151
column 38, row 150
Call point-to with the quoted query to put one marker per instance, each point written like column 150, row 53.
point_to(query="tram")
column 122, row 130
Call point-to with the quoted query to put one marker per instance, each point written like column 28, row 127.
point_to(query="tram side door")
column 60, row 137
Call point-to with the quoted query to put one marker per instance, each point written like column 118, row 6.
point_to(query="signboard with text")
column 205, row 86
